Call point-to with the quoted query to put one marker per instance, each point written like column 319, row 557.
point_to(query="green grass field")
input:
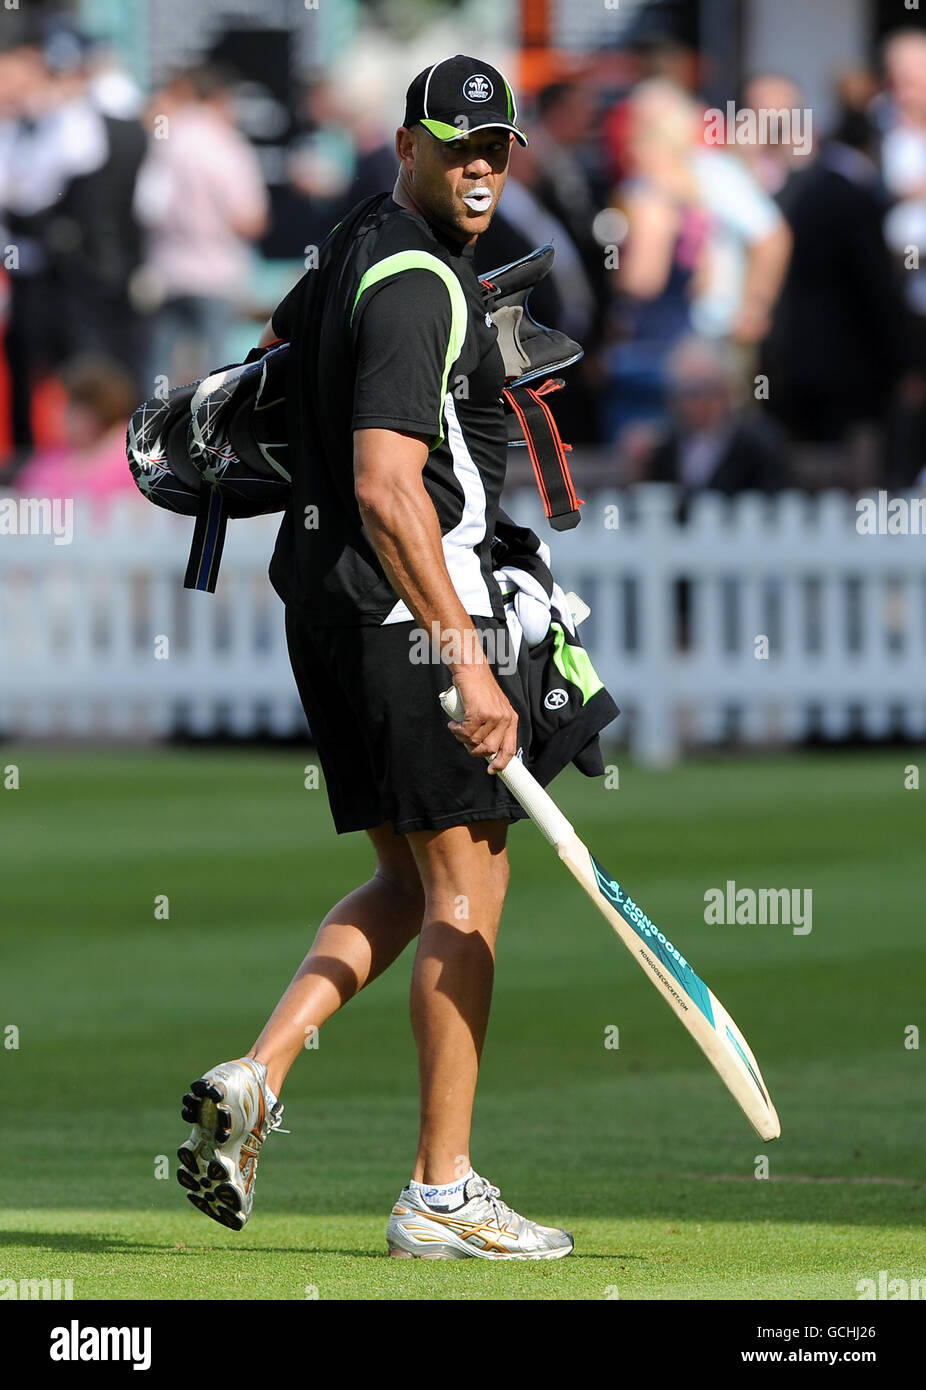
column 639, row 1151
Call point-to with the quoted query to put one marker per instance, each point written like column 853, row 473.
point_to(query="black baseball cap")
column 460, row 95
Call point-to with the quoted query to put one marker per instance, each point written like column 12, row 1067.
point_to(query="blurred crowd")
column 129, row 227
column 753, row 312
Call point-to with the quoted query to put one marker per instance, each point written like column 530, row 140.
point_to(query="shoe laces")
column 276, row 1121
column 494, row 1197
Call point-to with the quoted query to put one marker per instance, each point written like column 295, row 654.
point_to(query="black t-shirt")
column 389, row 331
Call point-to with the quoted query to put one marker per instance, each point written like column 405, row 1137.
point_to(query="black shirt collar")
column 450, row 245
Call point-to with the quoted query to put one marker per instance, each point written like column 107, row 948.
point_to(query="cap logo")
column 477, row 88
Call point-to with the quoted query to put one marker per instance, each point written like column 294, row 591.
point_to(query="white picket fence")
column 82, row 626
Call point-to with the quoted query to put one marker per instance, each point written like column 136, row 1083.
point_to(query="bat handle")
column 525, row 788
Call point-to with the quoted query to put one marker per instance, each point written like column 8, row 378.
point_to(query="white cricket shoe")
column 229, row 1108
column 484, row 1227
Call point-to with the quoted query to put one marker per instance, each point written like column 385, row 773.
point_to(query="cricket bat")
column 663, row 963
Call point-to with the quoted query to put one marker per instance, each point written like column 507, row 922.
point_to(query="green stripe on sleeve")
column 423, row 260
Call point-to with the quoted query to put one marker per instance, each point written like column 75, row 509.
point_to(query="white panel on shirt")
column 461, row 559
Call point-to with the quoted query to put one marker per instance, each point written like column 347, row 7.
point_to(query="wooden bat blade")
column 683, row 990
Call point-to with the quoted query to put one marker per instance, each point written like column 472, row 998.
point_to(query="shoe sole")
column 204, row 1174
column 398, row 1252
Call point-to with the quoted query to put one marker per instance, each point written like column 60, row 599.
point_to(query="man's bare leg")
column 360, row 937
column 464, row 870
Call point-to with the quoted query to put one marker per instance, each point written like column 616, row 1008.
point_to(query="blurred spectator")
column 663, row 250
column 706, row 250
column 202, row 196
column 367, row 95
column 101, row 396
column 658, row 52
column 342, row 152
column 773, row 165
column 564, row 125
column 115, row 93
column 376, row 165
column 31, row 338
column 521, row 223
column 67, row 178
column 900, row 113
column 323, row 161
column 857, row 88
column 903, row 151
column 746, row 252
column 712, row 442
column 566, row 299
column 712, row 445
column 93, row 232
column 840, row 339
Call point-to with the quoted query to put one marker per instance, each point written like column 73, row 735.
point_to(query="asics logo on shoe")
column 248, row 1160
column 466, row 1229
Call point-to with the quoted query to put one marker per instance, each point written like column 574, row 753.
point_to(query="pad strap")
column 547, row 452
column 208, row 542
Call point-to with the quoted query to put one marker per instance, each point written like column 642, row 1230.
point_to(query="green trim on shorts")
column 574, row 664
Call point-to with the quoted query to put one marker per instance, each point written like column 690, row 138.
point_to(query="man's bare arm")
column 401, row 523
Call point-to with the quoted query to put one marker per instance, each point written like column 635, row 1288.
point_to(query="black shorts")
column 381, row 734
